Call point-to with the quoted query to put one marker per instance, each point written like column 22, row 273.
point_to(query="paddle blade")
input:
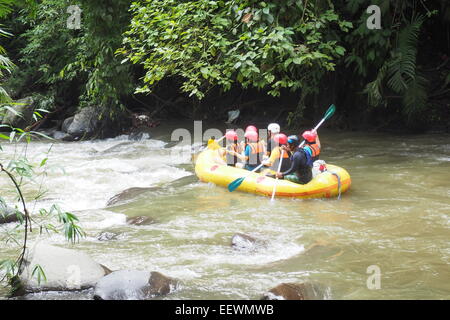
column 235, row 184
column 330, row 112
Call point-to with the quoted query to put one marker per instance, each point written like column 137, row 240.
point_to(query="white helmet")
column 274, row 128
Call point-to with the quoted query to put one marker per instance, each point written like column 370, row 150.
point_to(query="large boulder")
column 66, row 124
column 64, row 269
column 296, row 291
column 134, row 285
column 23, row 115
column 84, row 123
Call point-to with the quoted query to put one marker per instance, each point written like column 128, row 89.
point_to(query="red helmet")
column 251, row 128
column 280, row 138
column 251, row 136
column 309, row 136
column 231, row 135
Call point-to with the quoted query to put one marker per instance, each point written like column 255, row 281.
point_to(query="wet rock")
column 140, row 220
column 183, row 181
column 133, row 285
column 23, row 115
column 59, row 135
column 8, row 214
column 66, row 124
column 132, row 193
column 85, row 122
column 140, row 133
column 242, row 241
column 107, row 236
column 296, row 291
column 65, row 269
column 127, row 195
column 49, row 132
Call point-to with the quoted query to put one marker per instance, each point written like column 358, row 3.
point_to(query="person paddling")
column 312, row 145
column 273, row 129
column 279, row 140
column 232, row 151
column 254, row 151
column 300, row 171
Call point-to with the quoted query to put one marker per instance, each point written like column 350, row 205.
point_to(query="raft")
column 324, row 185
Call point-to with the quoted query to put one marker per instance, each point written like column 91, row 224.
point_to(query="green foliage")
column 60, row 59
column 400, row 74
column 265, row 45
column 21, row 172
column 6, row 65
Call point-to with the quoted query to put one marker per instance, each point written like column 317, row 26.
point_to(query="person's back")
column 273, row 162
column 312, row 146
column 254, row 150
column 300, row 170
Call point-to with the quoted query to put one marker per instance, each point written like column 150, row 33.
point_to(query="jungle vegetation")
column 199, row 59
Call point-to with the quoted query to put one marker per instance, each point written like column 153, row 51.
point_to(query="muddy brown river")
column 395, row 218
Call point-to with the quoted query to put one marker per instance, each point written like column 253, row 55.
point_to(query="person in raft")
column 273, row 129
column 232, row 151
column 279, row 140
column 312, row 145
column 254, row 129
column 254, row 150
column 301, row 170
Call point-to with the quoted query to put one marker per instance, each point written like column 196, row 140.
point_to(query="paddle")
column 276, row 180
column 236, row 183
column 240, row 156
column 327, row 116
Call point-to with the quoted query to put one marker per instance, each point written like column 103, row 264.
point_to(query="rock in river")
column 8, row 214
column 140, row 220
column 296, row 291
column 242, row 241
column 65, row 270
column 133, row 285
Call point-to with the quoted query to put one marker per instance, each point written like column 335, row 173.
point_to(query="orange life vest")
column 257, row 153
column 315, row 151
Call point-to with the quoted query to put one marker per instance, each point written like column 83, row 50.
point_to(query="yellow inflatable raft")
column 209, row 168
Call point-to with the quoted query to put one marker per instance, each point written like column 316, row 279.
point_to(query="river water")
column 395, row 218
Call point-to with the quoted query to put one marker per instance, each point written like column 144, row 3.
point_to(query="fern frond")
column 415, row 97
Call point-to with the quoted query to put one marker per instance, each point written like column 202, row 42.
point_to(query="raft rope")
column 339, row 183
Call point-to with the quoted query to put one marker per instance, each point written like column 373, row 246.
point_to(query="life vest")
column 271, row 144
column 285, row 165
column 312, row 153
column 257, row 153
column 232, row 159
